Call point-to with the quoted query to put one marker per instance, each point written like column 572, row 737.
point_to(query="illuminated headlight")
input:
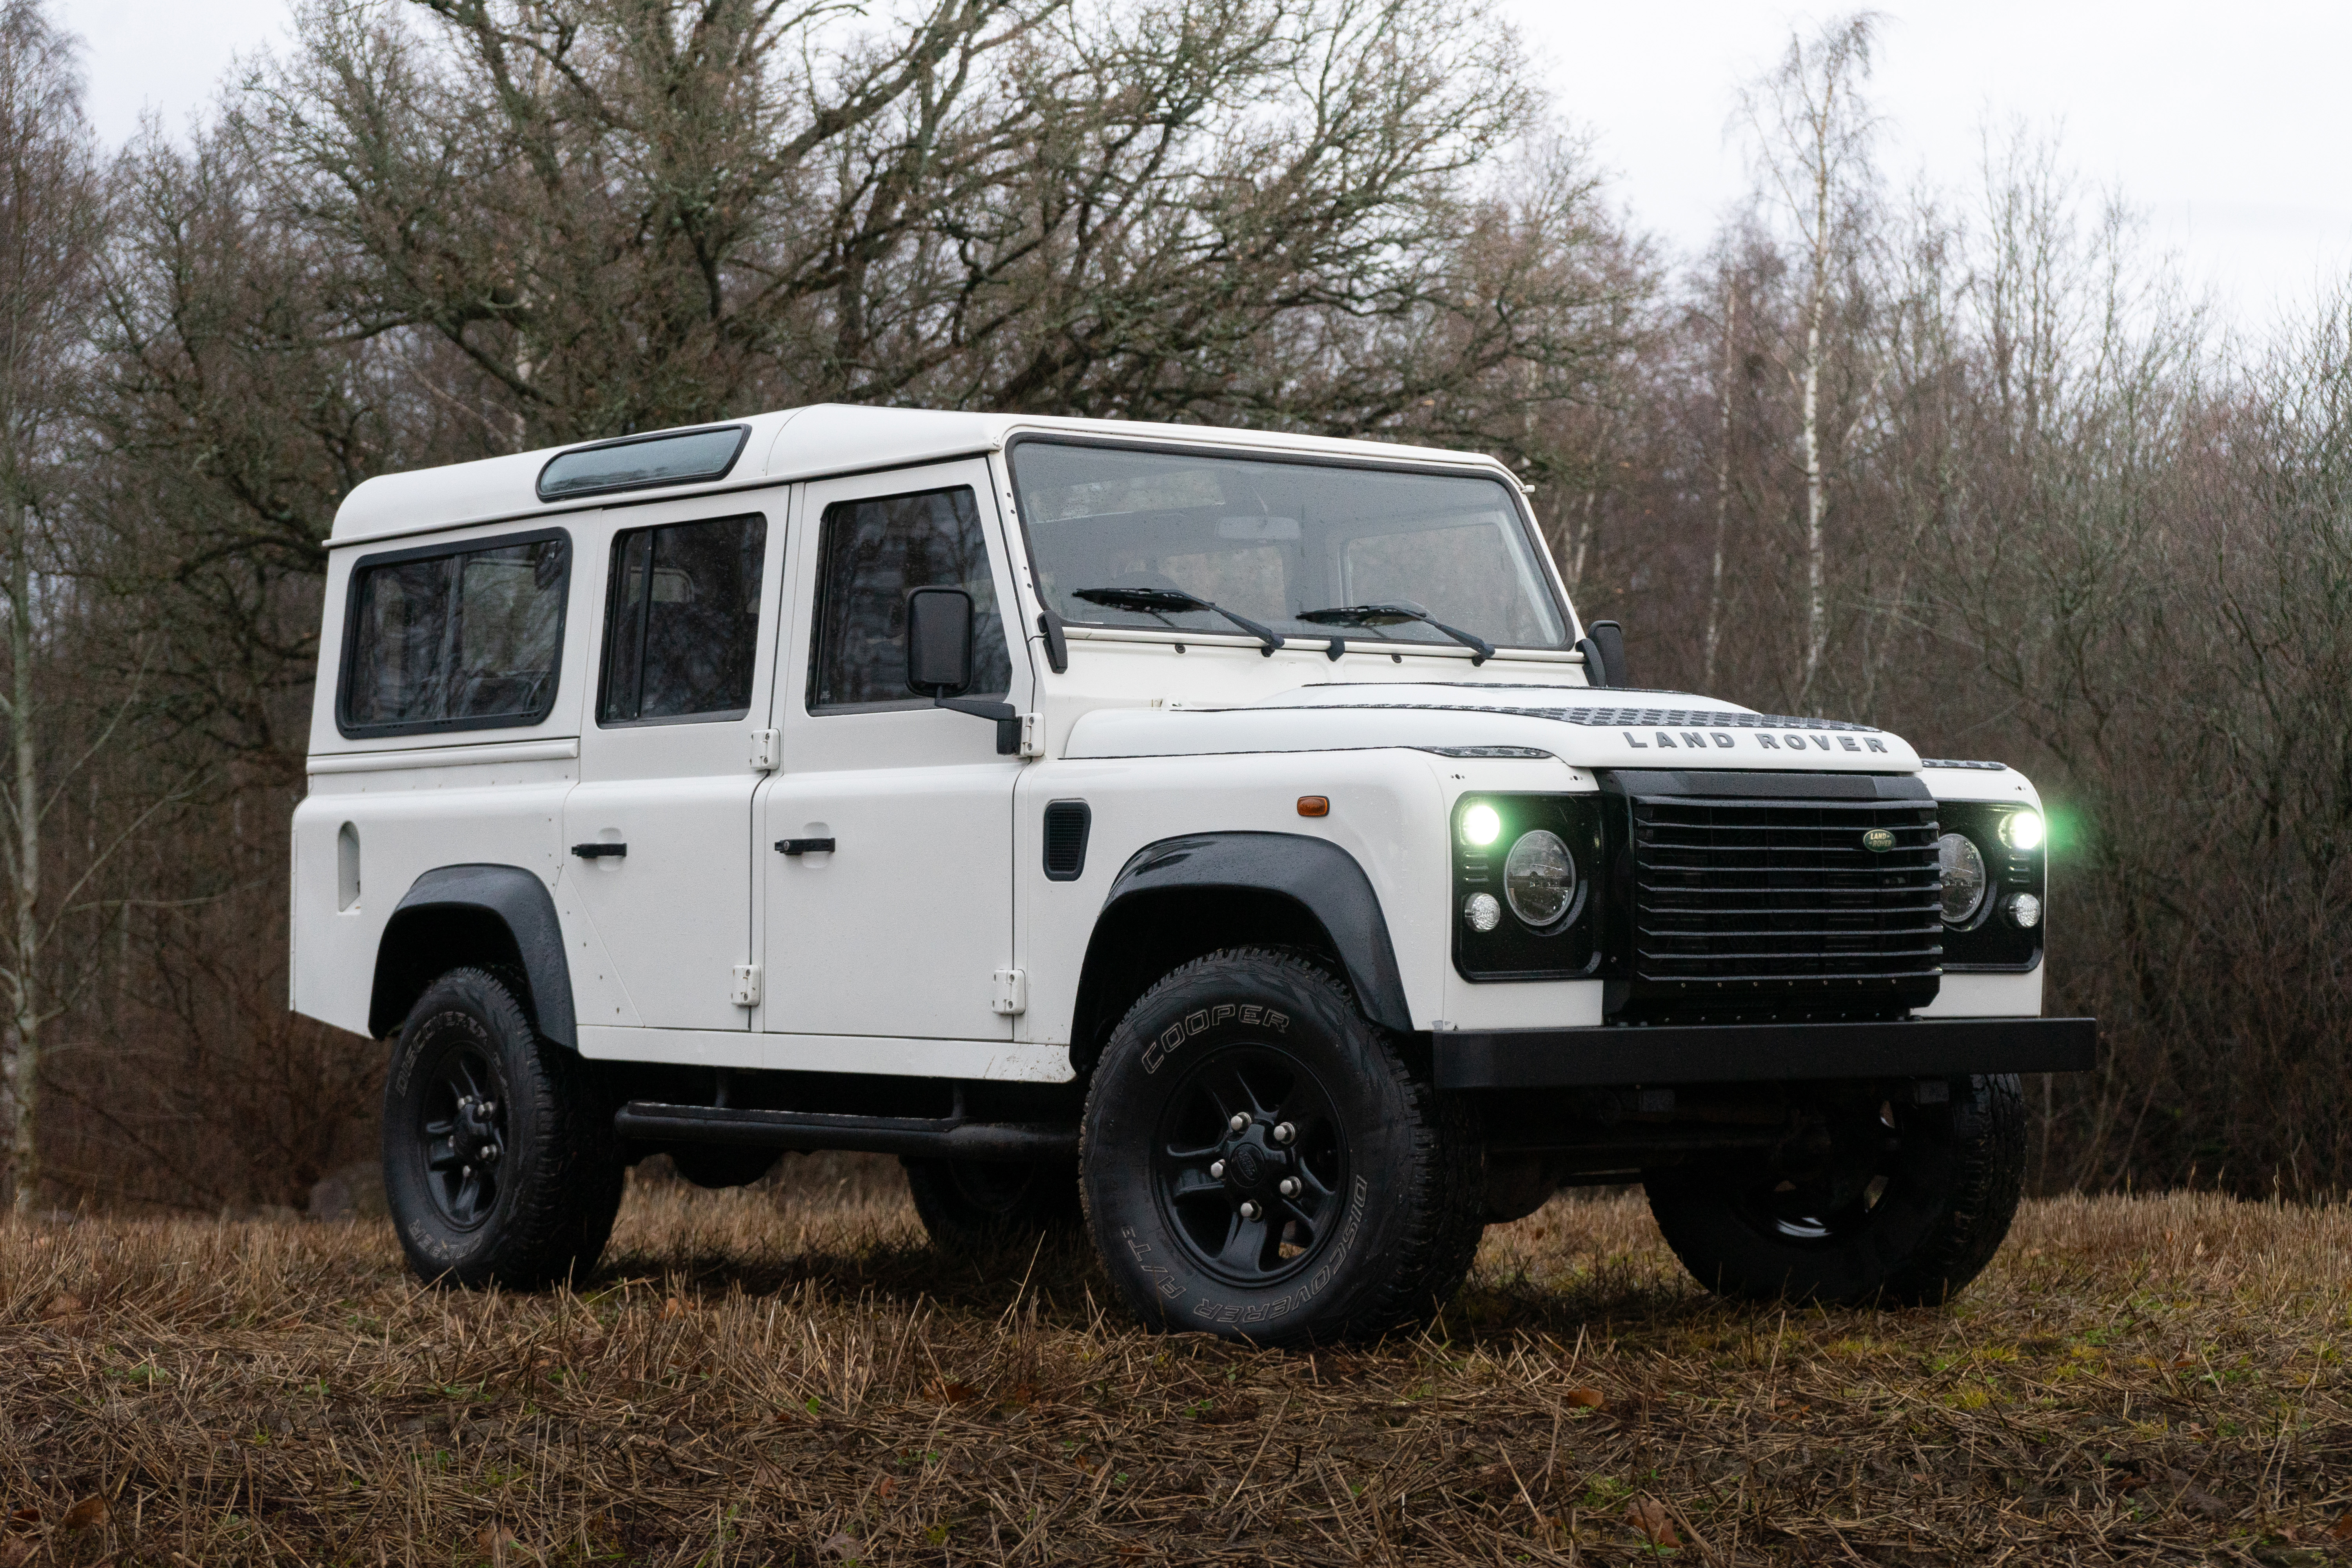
column 1481, row 825
column 2022, row 830
column 2026, row 909
column 1539, row 878
column 1482, row 912
column 1964, row 877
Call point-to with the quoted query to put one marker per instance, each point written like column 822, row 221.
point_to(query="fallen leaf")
column 2341, row 1529
column 1585, row 1398
column 494, row 1538
column 1649, row 1516
column 1023, row 1394
column 954, row 1393
column 674, row 1307
column 841, row 1547
column 889, row 1484
column 30, row 1518
column 91, row 1510
column 62, row 1307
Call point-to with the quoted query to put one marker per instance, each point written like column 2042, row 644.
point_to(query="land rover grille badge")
column 1878, row 840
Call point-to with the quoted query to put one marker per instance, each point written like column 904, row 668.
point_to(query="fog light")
column 1483, row 910
column 1481, row 825
column 2022, row 830
column 2025, row 911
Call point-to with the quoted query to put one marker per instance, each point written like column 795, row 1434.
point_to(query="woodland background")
column 1970, row 463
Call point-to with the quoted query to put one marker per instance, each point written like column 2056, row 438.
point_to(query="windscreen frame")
column 1547, row 570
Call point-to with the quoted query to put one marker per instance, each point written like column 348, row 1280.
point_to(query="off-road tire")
column 1958, row 1171
column 1396, row 1227
column 982, row 1206
column 555, row 1183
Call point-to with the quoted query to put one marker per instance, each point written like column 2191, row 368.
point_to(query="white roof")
column 792, row 444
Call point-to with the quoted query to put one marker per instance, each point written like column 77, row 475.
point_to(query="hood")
column 1582, row 726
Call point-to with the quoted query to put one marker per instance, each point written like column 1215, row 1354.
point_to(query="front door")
column 659, row 827
column 885, row 842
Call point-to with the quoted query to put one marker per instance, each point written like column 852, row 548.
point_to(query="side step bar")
column 948, row 1137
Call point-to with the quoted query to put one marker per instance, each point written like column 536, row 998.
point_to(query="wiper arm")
column 1170, row 601
column 1397, row 614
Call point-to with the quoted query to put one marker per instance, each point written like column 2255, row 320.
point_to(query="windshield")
column 1125, row 538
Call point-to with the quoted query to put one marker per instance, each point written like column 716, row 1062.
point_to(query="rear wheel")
column 1881, row 1203
column 499, row 1160
column 974, row 1205
column 1263, row 1163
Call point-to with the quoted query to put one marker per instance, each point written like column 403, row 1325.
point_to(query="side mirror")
column 1609, row 637
column 938, row 642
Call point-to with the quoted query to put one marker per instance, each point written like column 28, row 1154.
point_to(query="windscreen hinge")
column 767, row 750
column 1032, row 734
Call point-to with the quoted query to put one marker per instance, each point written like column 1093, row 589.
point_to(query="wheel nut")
column 1217, row 1169
column 1289, row 1186
column 1284, row 1133
column 490, row 1155
column 1249, row 1210
column 1239, row 1123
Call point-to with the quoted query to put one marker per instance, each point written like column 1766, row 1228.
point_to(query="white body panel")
column 882, row 956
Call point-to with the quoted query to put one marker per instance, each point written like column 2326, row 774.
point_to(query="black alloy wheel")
column 1881, row 1200
column 1262, row 1162
column 500, row 1164
column 1250, row 1164
column 463, row 1128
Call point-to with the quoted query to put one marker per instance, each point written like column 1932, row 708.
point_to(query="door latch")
column 803, row 846
column 746, row 986
column 600, row 851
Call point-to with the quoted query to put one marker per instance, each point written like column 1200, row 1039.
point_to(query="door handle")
column 803, row 846
column 598, row 851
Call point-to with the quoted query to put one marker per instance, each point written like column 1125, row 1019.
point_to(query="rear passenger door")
column 658, row 830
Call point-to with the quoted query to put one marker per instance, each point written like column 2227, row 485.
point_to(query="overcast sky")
column 2227, row 126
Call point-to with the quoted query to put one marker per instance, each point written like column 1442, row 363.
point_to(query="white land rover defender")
column 1230, row 842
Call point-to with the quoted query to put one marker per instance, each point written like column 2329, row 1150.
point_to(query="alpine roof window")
column 644, row 462
column 467, row 638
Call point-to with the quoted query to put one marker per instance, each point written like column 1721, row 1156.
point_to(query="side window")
column 682, row 621
column 872, row 554
column 455, row 639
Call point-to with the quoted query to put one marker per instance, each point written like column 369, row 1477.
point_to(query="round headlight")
column 1482, row 913
column 1964, row 877
column 1481, row 825
column 2026, row 910
column 1539, row 878
column 2022, row 830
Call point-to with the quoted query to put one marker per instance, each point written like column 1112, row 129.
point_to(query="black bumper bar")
column 1759, row 1052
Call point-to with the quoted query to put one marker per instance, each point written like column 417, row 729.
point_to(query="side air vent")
column 1066, row 822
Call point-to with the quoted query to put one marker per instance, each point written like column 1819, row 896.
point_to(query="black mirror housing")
column 938, row 642
column 1610, row 638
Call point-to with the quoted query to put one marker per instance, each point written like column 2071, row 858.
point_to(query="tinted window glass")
column 695, row 457
column 455, row 639
column 682, row 621
column 874, row 553
column 1277, row 541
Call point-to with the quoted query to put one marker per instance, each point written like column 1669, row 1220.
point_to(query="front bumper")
column 1634, row 1055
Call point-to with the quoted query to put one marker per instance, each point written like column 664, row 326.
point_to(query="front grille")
column 1776, row 907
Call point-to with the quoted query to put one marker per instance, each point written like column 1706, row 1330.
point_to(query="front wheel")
column 499, row 1160
column 1261, row 1162
column 1879, row 1203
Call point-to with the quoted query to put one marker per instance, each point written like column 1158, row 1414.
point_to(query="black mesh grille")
column 1781, row 907
column 1066, row 822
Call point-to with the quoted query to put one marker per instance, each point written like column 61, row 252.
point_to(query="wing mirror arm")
column 939, row 661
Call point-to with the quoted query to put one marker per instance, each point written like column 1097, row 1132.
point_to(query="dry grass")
column 790, row 1375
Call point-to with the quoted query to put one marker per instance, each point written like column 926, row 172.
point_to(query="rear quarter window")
column 443, row 638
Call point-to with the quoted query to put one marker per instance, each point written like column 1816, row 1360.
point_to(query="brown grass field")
column 789, row 1374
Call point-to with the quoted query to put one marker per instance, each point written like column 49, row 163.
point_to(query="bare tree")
column 1811, row 132
column 49, row 213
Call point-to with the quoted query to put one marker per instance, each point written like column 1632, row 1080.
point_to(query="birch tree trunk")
column 1722, row 483
column 24, row 1059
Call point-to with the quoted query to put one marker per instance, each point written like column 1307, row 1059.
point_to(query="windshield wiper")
column 1397, row 614
column 1164, row 601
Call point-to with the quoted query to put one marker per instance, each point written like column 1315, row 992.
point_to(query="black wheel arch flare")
column 475, row 914
column 1326, row 882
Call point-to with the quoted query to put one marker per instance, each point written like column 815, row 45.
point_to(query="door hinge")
column 746, row 986
column 1012, row 996
column 767, row 750
column 1032, row 734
